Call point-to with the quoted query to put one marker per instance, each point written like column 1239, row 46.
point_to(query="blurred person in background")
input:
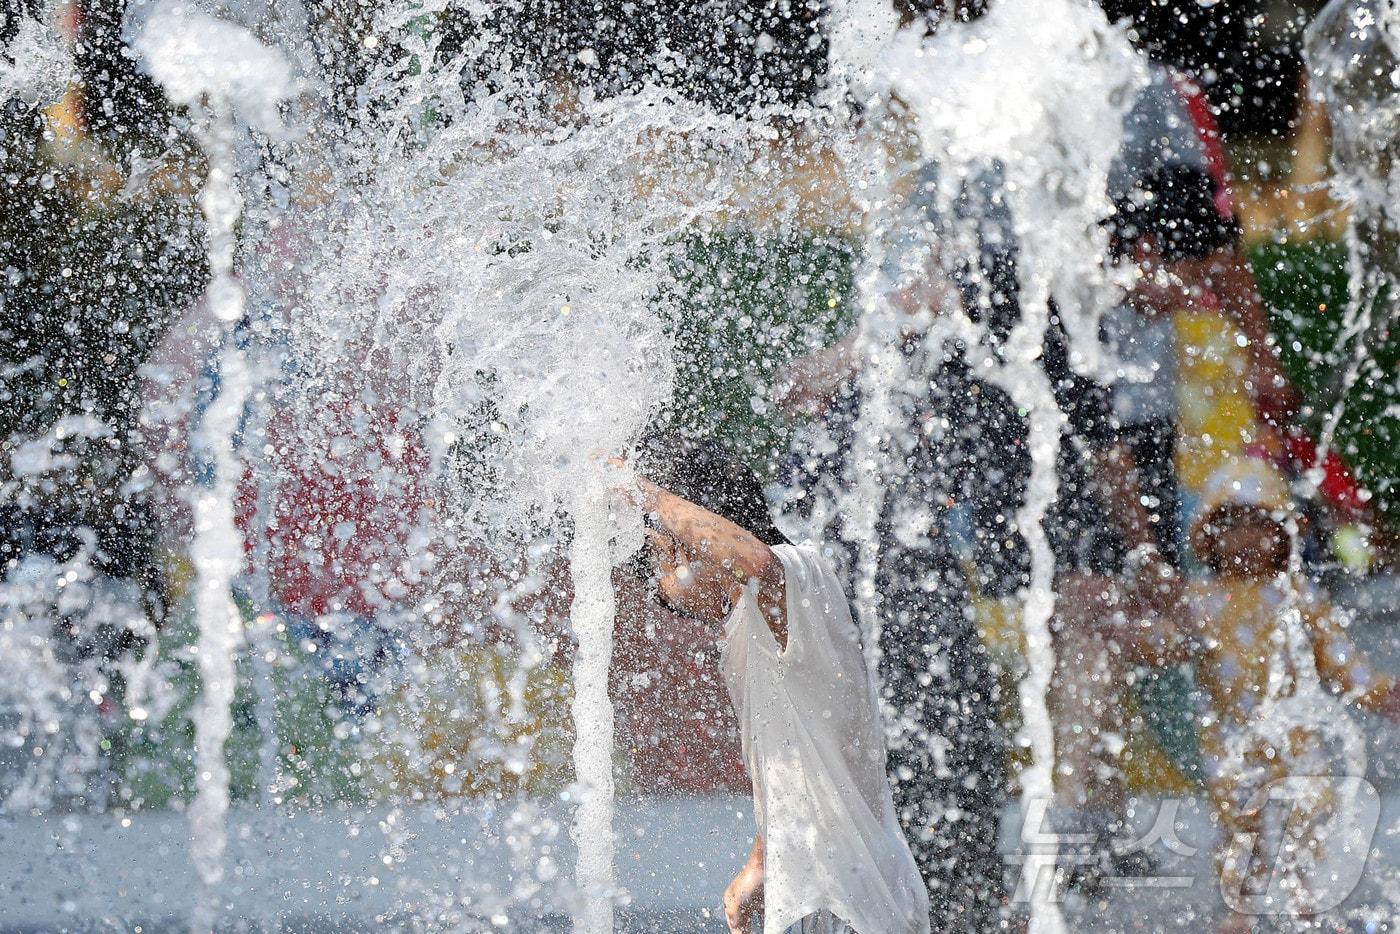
column 1110, row 547
column 1174, row 126
column 1253, row 669
column 1175, row 223
column 1167, row 215
column 1229, row 621
column 80, row 570
column 953, row 444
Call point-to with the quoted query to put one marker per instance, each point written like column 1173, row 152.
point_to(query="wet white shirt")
column 809, row 722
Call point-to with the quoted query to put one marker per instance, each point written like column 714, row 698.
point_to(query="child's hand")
column 743, row 900
column 627, row 486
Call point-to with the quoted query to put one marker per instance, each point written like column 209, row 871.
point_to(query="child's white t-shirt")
column 810, row 726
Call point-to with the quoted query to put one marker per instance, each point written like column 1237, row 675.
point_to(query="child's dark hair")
column 707, row 474
column 1231, row 515
column 934, row 12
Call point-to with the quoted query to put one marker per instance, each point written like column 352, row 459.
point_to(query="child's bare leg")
column 1237, row 865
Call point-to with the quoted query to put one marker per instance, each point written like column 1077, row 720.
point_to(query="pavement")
column 474, row 865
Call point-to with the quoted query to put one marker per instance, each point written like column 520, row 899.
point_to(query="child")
column 828, row 855
column 1233, row 617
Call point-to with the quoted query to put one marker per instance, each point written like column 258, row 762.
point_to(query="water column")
column 1026, row 382
column 510, row 259
column 217, row 550
column 1036, row 92
column 1353, row 55
column 1352, row 50
column 225, row 78
column 591, row 614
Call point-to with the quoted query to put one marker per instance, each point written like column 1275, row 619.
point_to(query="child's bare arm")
column 1345, row 669
column 714, row 558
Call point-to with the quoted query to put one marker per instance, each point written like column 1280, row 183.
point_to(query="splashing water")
column 507, row 269
column 1003, row 92
column 37, row 66
column 1352, row 49
column 1042, row 92
column 1353, row 53
column 492, row 263
column 42, row 687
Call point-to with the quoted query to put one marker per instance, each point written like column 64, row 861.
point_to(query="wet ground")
column 325, row 871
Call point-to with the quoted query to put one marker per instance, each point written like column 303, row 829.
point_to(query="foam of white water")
column 1043, row 90
column 217, row 549
column 858, row 32
column 198, row 57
